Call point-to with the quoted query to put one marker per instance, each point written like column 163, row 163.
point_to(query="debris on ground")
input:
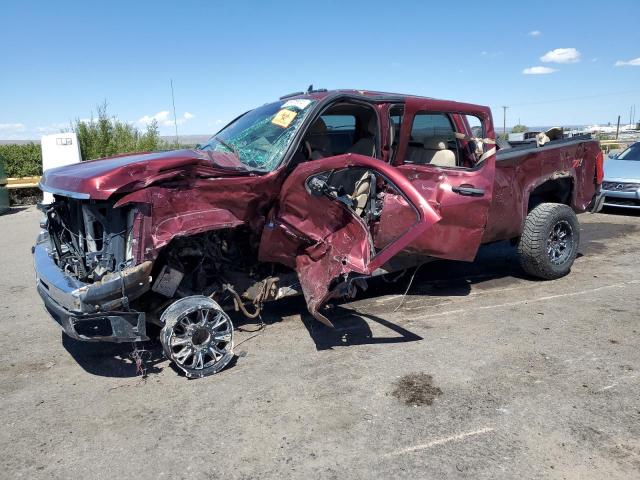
column 416, row 389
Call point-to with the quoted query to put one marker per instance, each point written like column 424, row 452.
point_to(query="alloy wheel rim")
column 560, row 242
column 200, row 341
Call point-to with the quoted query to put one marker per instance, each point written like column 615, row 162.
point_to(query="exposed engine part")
column 207, row 261
column 168, row 281
column 90, row 240
column 239, row 304
column 197, row 336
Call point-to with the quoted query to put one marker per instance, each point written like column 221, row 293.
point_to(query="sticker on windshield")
column 284, row 118
column 300, row 103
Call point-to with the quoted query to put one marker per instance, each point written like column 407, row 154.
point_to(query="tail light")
column 599, row 167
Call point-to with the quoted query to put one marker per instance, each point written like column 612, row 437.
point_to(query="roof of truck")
column 319, row 94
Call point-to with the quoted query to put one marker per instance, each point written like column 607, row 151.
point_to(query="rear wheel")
column 197, row 336
column 549, row 242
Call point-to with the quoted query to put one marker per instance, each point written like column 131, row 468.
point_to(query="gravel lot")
column 480, row 373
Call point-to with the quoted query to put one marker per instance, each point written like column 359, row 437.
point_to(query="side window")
column 475, row 124
column 472, row 149
column 432, row 141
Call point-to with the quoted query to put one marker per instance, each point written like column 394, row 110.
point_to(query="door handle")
column 468, row 191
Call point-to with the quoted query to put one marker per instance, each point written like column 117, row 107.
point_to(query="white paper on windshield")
column 300, row 103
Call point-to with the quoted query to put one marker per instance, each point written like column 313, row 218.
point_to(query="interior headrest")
column 432, row 143
column 372, row 125
column 318, row 127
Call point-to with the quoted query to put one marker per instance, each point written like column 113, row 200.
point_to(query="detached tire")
column 549, row 242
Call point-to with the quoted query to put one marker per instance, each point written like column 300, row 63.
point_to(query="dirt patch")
column 416, row 389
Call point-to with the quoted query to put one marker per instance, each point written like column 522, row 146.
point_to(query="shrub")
column 21, row 160
column 98, row 138
column 106, row 136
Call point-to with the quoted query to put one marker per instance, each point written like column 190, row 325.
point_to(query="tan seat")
column 361, row 192
column 442, row 156
column 433, row 151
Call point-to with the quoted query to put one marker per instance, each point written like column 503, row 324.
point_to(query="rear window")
column 341, row 132
column 340, row 122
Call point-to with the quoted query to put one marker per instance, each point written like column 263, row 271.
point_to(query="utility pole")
column 504, row 120
column 618, row 127
column 175, row 119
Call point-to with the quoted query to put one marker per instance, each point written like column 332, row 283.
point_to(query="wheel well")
column 558, row 190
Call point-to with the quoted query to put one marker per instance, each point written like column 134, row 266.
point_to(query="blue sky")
column 60, row 59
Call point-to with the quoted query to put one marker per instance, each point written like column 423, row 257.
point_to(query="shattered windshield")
column 260, row 137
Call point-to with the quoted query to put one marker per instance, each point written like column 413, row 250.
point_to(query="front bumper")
column 92, row 312
column 630, row 199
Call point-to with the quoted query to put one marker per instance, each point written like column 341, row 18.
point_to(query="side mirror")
column 613, row 156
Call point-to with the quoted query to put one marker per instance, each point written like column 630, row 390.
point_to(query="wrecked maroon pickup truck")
column 313, row 194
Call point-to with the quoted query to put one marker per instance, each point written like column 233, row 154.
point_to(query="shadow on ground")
column 351, row 328
column 114, row 359
column 13, row 210
column 441, row 278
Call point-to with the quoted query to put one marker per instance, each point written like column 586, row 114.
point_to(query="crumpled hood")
column 99, row 179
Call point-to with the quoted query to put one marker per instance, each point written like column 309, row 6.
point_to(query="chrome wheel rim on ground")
column 197, row 336
column 560, row 242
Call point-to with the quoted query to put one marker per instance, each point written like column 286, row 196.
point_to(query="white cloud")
column 13, row 131
column 562, row 55
column 164, row 119
column 12, row 126
column 484, row 53
column 629, row 63
column 52, row 128
column 534, row 33
column 538, row 70
column 161, row 117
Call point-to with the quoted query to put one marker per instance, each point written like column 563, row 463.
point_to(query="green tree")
column 105, row 136
column 519, row 128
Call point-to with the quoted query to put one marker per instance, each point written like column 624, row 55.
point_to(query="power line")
column 575, row 98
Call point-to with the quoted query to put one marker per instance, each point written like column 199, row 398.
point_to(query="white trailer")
column 58, row 150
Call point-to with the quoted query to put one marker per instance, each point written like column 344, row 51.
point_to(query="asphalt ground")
column 478, row 372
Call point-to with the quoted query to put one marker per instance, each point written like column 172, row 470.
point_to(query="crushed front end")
column 86, row 273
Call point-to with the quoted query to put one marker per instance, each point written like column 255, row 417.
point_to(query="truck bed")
column 561, row 171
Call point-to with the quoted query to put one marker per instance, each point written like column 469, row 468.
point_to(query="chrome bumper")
column 616, row 198
column 92, row 312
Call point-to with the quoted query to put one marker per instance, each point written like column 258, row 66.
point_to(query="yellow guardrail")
column 608, row 145
column 24, row 182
